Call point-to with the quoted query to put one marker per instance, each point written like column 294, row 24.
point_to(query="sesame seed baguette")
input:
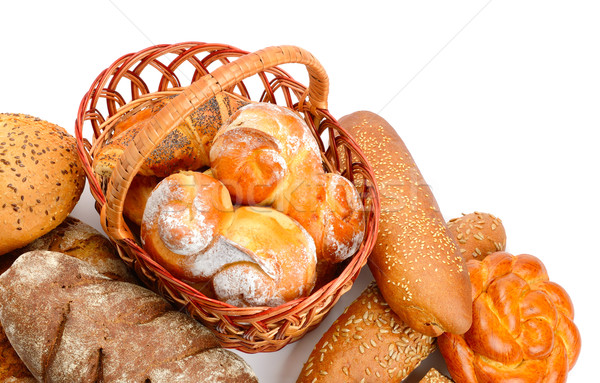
column 478, row 234
column 416, row 263
column 368, row 341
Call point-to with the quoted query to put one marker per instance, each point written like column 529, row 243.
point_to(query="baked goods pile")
column 240, row 208
column 495, row 317
column 237, row 204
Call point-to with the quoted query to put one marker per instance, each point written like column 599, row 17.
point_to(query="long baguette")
column 416, row 263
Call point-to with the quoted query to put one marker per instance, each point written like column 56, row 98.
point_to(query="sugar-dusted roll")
column 248, row 256
column 266, row 155
column 416, row 262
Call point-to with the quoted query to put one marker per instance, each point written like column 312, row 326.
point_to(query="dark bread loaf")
column 416, row 262
column 89, row 328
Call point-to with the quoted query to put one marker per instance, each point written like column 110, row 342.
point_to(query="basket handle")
column 184, row 104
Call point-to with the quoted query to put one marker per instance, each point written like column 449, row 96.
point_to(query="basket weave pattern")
column 155, row 73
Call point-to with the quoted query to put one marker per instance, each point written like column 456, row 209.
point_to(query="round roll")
column 330, row 208
column 41, row 178
column 266, row 155
column 249, row 256
column 478, row 234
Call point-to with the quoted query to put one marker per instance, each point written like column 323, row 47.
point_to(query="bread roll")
column 523, row 329
column 12, row 369
column 434, row 376
column 250, row 256
column 266, row 155
column 78, row 239
column 137, row 196
column 88, row 328
column 367, row 341
column 185, row 148
column 478, row 234
column 416, row 263
column 41, row 178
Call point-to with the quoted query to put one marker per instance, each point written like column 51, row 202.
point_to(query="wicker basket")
column 216, row 68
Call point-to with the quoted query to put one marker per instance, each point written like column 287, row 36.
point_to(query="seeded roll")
column 368, row 341
column 478, row 235
column 416, row 262
column 41, row 178
column 434, row 376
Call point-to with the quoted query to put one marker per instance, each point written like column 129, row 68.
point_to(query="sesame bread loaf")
column 434, row 376
column 416, row 262
column 89, row 328
column 368, row 341
column 478, row 234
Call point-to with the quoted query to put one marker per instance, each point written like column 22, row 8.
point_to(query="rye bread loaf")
column 68, row 323
column 416, row 262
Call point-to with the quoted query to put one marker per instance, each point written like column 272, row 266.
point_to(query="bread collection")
column 237, row 203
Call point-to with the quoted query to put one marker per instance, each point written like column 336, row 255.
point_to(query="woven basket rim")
column 257, row 314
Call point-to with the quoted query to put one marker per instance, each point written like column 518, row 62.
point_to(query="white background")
column 498, row 101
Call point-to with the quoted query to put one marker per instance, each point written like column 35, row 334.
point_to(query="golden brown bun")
column 185, row 148
column 329, row 207
column 137, row 195
column 266, row 155
column 41, row 178
column 416, row 263
column 71, row 324
column 250, row 257
column 478, row 235
column 263, row 146
column 78, row 239
column 367, row 341
column 522, row 328
column 279, row 256
column 434, row 376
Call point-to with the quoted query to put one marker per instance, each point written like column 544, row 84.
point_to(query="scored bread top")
column 416, row 263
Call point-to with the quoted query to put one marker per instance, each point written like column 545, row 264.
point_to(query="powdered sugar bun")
column 182, row 216
column 251, row 256
column 284, row 255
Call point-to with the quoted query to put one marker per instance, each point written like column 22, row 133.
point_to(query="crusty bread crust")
column 90, row 328
column 42, row 178
column 416, row 263
column 367, row 341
